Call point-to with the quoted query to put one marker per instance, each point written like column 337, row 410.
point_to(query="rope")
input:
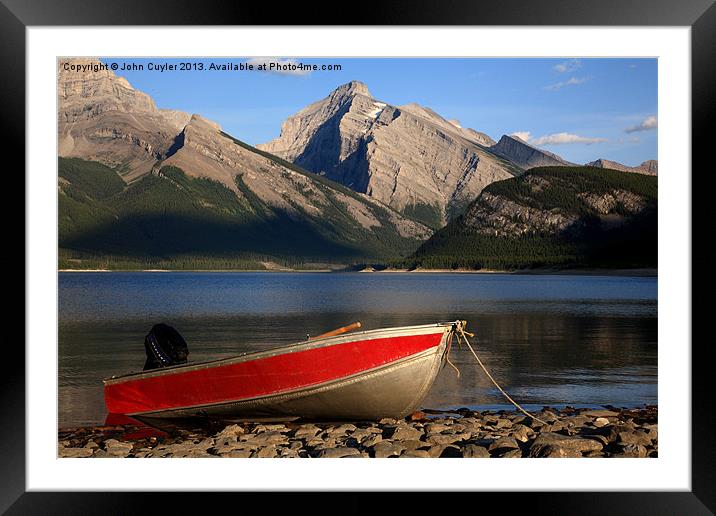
column 447, row 358
column 461, row 333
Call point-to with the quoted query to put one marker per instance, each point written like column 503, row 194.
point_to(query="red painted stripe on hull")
column 261, row 377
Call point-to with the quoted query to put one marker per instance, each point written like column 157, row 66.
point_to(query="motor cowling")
column 164, row 347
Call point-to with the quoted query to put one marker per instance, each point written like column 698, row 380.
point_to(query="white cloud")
column 279, row 66
column 565, row 138
column 571, row 82
column 567, row 66
column 648, row 124
column 522, row 135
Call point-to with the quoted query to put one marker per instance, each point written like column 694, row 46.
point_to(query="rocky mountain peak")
column 525, row 155
column 352, row 88
column 103, row 118
column 199, row 122
column 408, row 157
column 649, row 167
column 86, row 88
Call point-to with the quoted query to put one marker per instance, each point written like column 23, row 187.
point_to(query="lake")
column 548, row 339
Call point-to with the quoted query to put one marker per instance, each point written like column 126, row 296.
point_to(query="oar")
column 339, row 331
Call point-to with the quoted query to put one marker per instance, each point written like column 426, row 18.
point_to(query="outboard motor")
column 164, row 347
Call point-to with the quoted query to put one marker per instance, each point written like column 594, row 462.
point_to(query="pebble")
column 416, row 453
column 114, row 448
column 385, row 449
column 600, row 422
column 521, row 432
column 503, row 442
column 406, row 433
column 372, row 441
column 637, row 437
column 462, row 434
column 270, row 428
column 553, row 444
column 75, row 452
column 472, row 451
column 305, row 431
column 231, row 431
column 338, row 452
column 266, row 452
column 268, row 438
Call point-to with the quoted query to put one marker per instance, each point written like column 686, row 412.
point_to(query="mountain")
column 552, row 216
column 524, row 155
column 407, row 157
column 102, row 118
column 142, row 184
column 650, row 167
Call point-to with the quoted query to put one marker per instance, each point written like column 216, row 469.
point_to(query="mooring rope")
column 447, row 358
column 461, row 333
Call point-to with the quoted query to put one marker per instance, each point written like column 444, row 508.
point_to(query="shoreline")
column 640, row 272
column 463, row 433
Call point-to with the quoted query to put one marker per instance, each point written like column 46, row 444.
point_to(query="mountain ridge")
column 525, row 155
column 551, row 217
column 356, row 177
column 104, row 120
column 371, row 147
column 407, row 157
column 649, row 167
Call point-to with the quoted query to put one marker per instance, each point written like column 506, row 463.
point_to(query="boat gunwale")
column 279, row 350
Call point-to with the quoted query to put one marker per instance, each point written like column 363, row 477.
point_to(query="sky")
column 580, row 109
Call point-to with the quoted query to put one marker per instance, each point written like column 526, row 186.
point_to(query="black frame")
column 700, row 15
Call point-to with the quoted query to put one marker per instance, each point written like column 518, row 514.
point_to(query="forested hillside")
column 169, row 219
column 551, row 216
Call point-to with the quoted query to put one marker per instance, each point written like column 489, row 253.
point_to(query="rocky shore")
column 570, row 432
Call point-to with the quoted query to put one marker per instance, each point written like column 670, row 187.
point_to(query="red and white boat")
column 365, row 375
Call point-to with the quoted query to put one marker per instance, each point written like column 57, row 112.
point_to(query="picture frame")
column 16, row 16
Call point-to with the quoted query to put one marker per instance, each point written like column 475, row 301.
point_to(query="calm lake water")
column 549, row 340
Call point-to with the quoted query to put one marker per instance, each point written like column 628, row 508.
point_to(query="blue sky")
column 581, row 109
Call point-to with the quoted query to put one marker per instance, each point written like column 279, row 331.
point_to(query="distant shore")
column 642, row 272
column 551, row 271
column 463, row 433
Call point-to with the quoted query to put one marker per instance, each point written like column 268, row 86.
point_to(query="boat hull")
column 363, row 376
